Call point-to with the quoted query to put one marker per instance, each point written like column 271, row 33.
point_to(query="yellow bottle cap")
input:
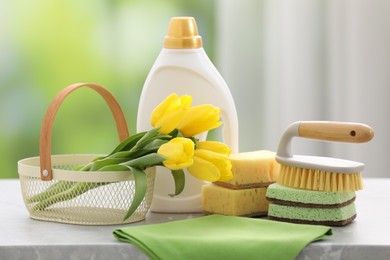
column 182, row 34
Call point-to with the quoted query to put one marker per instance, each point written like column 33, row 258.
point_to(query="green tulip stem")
column 51, row 191
column 69, row 194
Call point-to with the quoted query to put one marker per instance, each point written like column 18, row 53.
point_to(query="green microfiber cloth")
column 222, row 237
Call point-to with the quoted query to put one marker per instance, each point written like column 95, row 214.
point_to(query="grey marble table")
column 24, row 238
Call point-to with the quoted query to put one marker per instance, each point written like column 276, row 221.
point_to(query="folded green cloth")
column 222, row 237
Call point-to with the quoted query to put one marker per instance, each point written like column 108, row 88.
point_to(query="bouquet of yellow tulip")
column 171, row 143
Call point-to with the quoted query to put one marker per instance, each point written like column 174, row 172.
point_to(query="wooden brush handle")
column 326, row 131
column 336, row 131
column 46, row 129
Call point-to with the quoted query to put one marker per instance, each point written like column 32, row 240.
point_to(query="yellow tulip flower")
column 211, row 166
column 214, row 146
column 178, row 153
column 200, row 119
column 167, row 115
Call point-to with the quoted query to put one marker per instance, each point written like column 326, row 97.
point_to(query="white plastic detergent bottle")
column 184, row 68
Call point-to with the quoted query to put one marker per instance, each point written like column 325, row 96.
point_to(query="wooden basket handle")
column 47, row 124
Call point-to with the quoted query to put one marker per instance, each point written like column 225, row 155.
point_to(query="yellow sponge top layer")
column 252, row 169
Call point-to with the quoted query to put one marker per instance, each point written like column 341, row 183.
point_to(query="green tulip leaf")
column 150, row 135
column 179, row 178
column 128, row 143
column 145, row 161
column 114, row 168
column 97, row 165
column 155, row 144
column 141, row 186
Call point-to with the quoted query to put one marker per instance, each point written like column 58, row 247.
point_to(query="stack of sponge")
column 304, row 206
column 244, row 195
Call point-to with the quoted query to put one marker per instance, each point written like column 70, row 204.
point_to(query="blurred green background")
column 47, row 45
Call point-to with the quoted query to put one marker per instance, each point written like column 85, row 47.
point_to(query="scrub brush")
column 322, row 173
